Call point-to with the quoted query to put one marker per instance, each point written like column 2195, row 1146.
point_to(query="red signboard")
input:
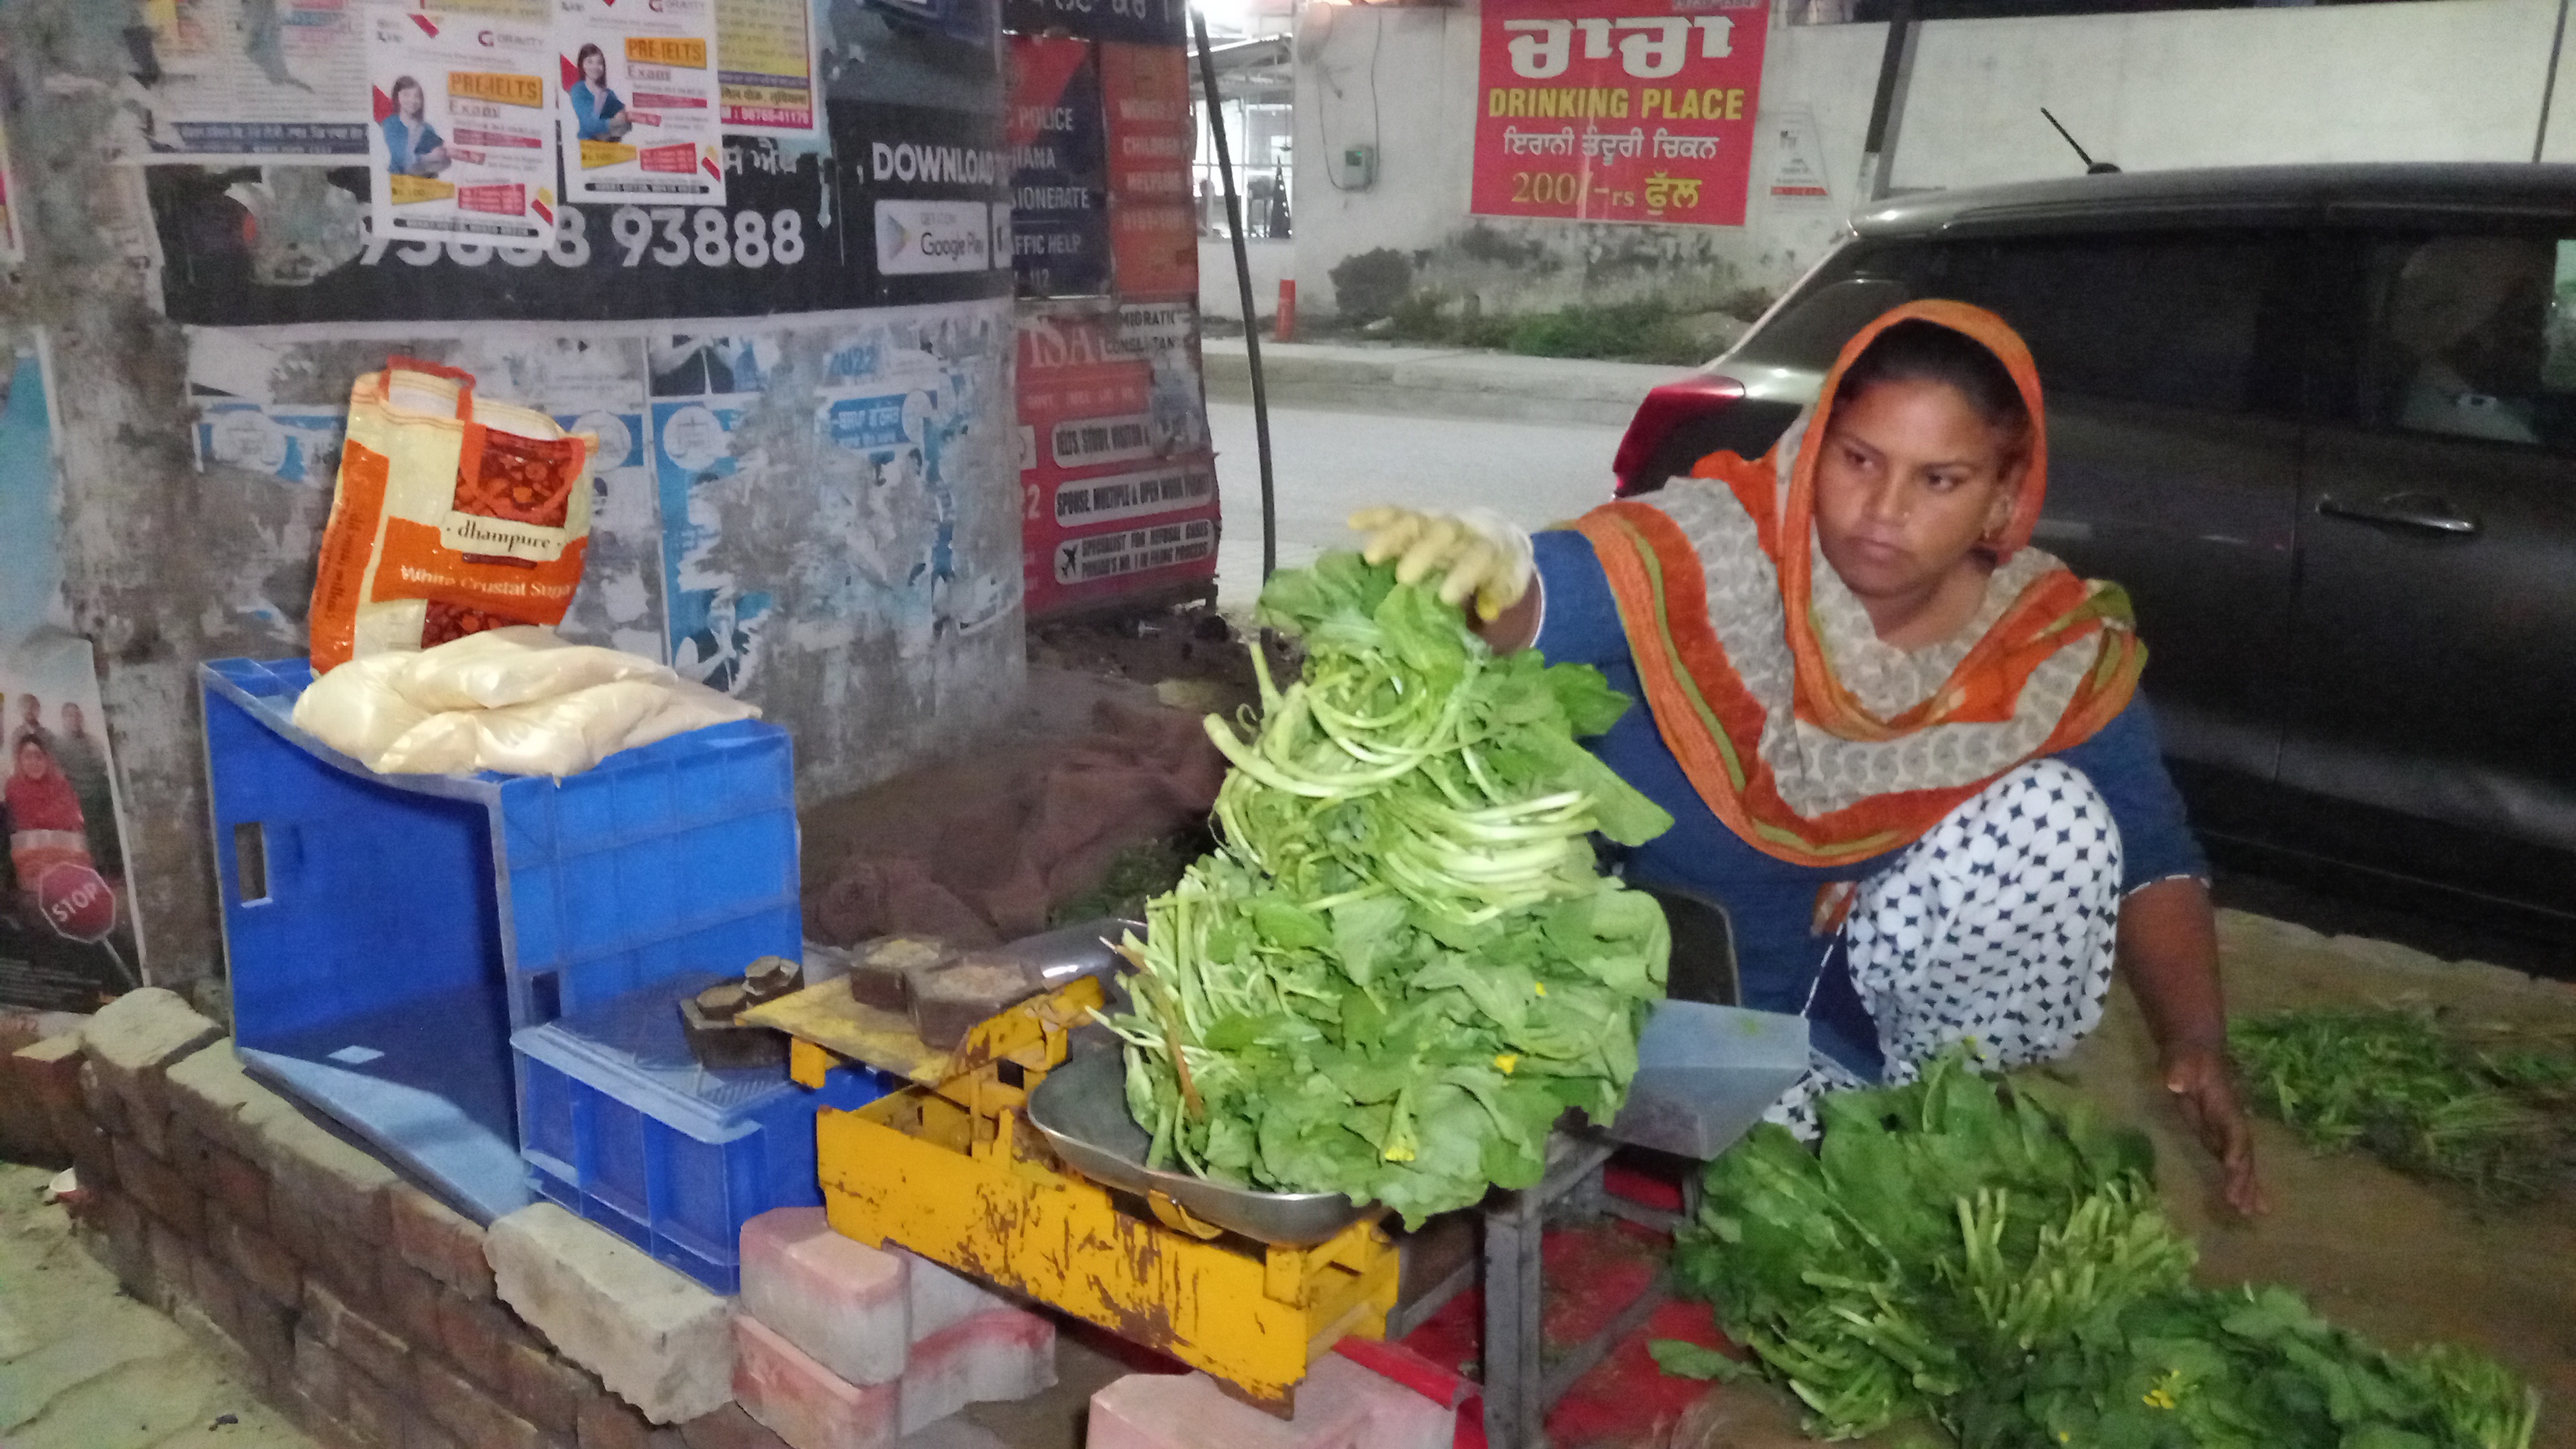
column 1153, row 221
column 1617, row 110
column 1118, row 484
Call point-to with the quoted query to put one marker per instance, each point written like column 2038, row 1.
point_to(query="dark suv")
column 2321, row 421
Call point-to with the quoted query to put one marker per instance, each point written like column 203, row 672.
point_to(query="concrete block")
column 660, row 1341
column 804, row 1403
column 478, row 1420
column 939, row 1297
column 49, row 1073
column 142, row 1032
column 439, row 1241
column 157, row 1187
column 373, row 1349
column 834, row 1298
column 728, row 1428
column 609, row 1422
column 100, row 1101
column 1001, row 1353
column 1340, row 1406
column 210, row 1092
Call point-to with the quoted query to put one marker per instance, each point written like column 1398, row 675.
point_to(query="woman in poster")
column 45, row 824
column 415, row 148
column 598, row 114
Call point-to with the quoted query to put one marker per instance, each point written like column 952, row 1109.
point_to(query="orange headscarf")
column 1735, row 745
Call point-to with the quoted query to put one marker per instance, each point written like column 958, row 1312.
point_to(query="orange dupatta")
column 1715, row 723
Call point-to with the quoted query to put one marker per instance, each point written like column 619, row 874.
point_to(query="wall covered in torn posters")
column 806, row 493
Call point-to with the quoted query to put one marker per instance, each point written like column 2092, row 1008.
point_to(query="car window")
column 2184, row 319
column 2473, row 336
column 1851, row 288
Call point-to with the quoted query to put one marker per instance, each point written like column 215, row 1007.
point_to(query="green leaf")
column 1684, row 1359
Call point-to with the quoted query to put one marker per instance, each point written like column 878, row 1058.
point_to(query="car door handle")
column 2405, row 510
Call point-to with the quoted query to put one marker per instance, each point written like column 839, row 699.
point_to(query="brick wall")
column 356, row 1303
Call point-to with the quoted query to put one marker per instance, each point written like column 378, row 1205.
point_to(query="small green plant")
column 1422, row 316
column 1369, row 285
column 1634, row 331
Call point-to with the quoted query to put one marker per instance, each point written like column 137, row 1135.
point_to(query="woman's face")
column 31, row 760
column 408, row 100
column 1911, row 479
column 594, row 67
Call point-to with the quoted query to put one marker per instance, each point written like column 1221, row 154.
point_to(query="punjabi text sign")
column 1617, row 110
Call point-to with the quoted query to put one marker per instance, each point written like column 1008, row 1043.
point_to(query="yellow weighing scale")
column 980, row 1166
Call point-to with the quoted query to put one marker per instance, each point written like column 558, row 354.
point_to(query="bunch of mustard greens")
column 1402, row 964
column 1970, row 1255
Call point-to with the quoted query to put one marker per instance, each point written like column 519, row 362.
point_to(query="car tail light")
column 1667, row 412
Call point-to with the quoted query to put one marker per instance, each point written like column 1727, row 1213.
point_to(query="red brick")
column 157, row 1187
column 419, row 1433
column 26, row 1119
column 728, row 1428
column 411, row 1305
column 439, row 1241
column 478, row 1338
column 609, row 1422
column 51, row 1071
column 262, row 1261
column 267, row 1329
column 373, row 1412
column 475, row 1418
column 369, row 1346
column 321, row 1375
column 100, row 1100
column 117, row 1239
column 222, row 1347
column 352, row 1267
column 174, row 1269
column 230, row 1180
column 548, row 1391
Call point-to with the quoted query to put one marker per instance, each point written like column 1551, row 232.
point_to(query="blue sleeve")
column 1580, row 621
column 2126, row 764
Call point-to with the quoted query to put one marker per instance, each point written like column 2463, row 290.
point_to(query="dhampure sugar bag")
column 454, row 514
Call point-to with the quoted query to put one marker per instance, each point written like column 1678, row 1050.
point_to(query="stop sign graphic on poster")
column 76, row 902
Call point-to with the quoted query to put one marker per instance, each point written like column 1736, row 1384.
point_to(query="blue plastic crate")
column 386, row 933
column 622, row 1126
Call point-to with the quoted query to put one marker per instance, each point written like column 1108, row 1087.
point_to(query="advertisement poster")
column 1153, row 220
column 1059, row 169
column 934, row 187
column 640, row 101
column 767, row 83
column 1135, row 22
column 67, row 936
column 1598, row 111
column 1797, row 161
column 257, row 79
column 460, row 146
column 1118, row 483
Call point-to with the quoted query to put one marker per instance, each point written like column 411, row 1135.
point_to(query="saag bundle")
column 1977, row 1258
column 1402, row 965
column 2425, row 1098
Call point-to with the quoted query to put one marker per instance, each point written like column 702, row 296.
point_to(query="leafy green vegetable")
column 1684, row 1359
column 1997, row 1264
column 2424, row 1099
column 1403, row 964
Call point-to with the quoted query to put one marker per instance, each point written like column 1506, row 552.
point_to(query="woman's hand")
column 2169, row 951
column 1477, row 552
column 2204, row 1085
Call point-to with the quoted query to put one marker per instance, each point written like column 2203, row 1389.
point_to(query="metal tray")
column 1081, row 1108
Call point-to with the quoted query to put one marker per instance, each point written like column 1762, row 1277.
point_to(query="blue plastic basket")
column 625, row 1128
column 386, row 933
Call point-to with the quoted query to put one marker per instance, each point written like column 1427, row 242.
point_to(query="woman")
column 413, row 145
column 1903, row 749
column 598, row 115
column 45, row 824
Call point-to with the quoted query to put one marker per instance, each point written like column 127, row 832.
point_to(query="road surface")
column 1328, row 463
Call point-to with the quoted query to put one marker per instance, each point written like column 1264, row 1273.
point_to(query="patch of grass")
column 1136, row 875
column 2421, row 1096
column 1628, row 331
